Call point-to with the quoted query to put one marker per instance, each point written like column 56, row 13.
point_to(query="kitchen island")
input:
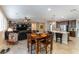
column 65, row 36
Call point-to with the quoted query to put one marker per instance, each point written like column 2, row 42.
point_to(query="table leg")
column 37, row 47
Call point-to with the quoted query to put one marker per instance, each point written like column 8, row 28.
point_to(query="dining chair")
column 30, row 43
column 46, row 42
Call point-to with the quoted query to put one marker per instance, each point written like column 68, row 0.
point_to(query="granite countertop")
column 60, row 32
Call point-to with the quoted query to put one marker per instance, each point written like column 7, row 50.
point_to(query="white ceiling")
column 37, row 12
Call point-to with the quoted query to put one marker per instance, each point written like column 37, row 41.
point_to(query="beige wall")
column 1, row 41
column 3, row 27
column 39, row 27
column 36, row 26
column 33, row 26
column 51, row 25
column 1, row 36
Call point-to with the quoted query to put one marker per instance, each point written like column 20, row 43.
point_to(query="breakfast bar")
column 65, row 36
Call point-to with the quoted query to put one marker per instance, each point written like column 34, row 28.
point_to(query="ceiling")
column 40, row 12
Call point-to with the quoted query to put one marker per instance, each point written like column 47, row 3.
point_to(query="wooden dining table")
column 37, row 38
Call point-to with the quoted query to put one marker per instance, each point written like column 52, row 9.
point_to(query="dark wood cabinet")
column 71, row 26
column 72, row 33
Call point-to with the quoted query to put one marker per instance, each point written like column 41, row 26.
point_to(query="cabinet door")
column 72, row 33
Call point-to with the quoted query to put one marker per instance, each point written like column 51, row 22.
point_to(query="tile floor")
column 71, row 48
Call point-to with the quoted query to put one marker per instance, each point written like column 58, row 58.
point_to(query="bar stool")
column 59, row 37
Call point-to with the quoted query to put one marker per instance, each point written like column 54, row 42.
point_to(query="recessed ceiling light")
column 73, row 10
column 62, row 16
column 53, row 23
column 28, row 17
column 49, row 9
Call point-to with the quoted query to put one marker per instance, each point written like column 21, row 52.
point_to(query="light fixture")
column 28, row 17
column 73, row 10
column 62, row 16
column 49, row 9
column 53, row 23
column 10, row 29
column 25, row 20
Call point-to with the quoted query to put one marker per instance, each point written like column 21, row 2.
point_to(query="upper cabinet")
column 61, row 23
column 70, row 23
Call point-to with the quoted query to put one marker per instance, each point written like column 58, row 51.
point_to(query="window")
column 3, row 22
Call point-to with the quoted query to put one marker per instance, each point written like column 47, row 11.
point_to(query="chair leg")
column 46, row 48
column 39, row 47
column 51, row 48
column 31, row 48
column 28, row 46
column 56, row 40
column 61, row 40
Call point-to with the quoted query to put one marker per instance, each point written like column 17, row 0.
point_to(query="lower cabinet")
column 72, row 33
